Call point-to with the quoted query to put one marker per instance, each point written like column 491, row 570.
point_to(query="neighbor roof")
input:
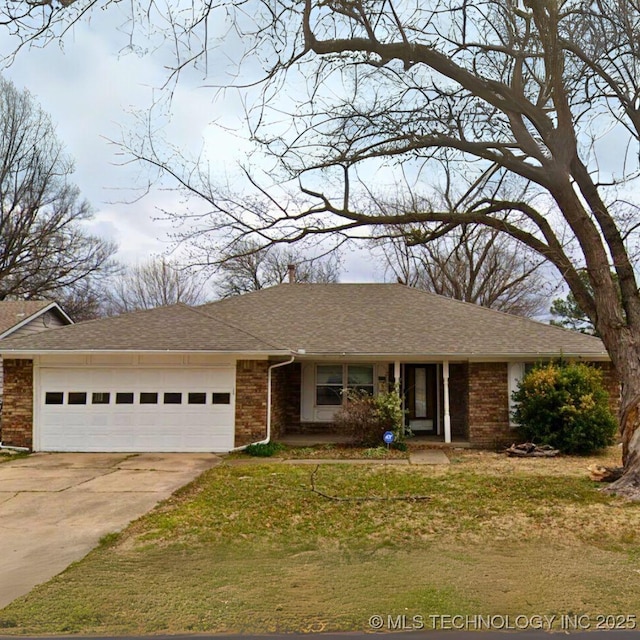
column 172, row 328
column 16, row 313
column 323, row 320
column 392, row 319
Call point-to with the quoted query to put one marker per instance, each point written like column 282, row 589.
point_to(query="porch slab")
column 312, row 439
column 428, row 456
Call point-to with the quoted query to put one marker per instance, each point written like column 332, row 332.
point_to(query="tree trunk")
column 627, row 362
column 629, row 484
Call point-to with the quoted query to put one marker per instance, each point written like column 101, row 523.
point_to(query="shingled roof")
column 393, row 319
column 172, row 328
column 14, row 313
column 324, row 320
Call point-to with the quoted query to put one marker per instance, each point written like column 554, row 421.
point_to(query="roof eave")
column 48, row 352
column 471, row 356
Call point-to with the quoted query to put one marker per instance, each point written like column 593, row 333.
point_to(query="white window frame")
column 345, row 380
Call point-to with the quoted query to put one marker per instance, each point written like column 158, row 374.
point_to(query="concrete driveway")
column 55, row 507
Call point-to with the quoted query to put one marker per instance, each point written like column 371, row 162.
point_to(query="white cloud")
column 90, row 89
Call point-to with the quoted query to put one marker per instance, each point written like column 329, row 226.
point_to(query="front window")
column 335, row 381
column 360, row 378
column 329, row 384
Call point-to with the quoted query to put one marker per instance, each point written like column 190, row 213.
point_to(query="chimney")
column 292, row 273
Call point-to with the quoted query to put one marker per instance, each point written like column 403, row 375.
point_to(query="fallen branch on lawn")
column 361, row 498
column 598, row 473
column 530, row 450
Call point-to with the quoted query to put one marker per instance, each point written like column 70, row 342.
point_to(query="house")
column 24, row 317
column 274, row 361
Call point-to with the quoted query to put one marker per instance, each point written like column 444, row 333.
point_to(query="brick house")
column 273, row 362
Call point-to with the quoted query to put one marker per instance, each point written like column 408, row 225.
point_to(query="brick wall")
column 611, row 384
column 17, row 408
column 286, row 390
column 489, row 405
column 251, row 401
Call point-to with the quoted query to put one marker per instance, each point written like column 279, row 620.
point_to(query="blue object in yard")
column 388, row 437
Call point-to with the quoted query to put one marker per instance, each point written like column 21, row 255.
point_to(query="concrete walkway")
column 55, row 507
column 428, row 456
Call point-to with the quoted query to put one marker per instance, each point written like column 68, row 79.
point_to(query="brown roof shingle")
column 323, row 319
column 173, row 328
column 392, row 319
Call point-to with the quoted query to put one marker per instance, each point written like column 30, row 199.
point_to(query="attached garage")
column 135, row 409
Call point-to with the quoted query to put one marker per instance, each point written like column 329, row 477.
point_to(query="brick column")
column 251, row 401
column 17, row 407
column 489, row 404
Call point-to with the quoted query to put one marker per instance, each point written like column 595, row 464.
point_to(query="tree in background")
column 85, row 301
column 45, row 250
column 155, row 283
column 472, row 264
column 569, row 314
column 248, row 267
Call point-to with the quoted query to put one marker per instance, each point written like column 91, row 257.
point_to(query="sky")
column 91, row 87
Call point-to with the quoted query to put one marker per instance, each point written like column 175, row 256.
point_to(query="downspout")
column 268, row 437
column 12, row 448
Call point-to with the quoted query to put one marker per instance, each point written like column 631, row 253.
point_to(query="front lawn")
column 251, row 548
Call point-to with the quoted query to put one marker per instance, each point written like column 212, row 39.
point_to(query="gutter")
column 268, row 436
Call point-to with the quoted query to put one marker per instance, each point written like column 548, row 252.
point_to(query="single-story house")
column 24, row 317
column 274, row 362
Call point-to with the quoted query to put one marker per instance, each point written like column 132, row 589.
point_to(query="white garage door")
column 84, row 409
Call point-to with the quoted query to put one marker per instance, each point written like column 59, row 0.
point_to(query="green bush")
column 365, row 418
column 263, row 450
column 566, row 406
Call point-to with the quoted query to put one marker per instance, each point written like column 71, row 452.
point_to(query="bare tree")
column 473, row 264
column 44, row 248
column 85, row 300
column 250, row 268
column 467, row 95
column 155, row 283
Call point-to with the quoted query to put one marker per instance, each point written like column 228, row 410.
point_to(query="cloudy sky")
column 91, row 86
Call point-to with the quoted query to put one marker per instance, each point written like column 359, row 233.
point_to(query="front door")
column 420, row 397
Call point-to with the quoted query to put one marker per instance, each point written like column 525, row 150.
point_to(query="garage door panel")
column 136, row 427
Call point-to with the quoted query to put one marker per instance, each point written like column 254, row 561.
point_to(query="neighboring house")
column 274, row 361
column 24, row 317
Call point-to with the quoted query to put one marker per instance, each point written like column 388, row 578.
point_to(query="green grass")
column 5, row 456
column 253, row 549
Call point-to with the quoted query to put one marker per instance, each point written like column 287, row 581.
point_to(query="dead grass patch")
column 251, row 549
